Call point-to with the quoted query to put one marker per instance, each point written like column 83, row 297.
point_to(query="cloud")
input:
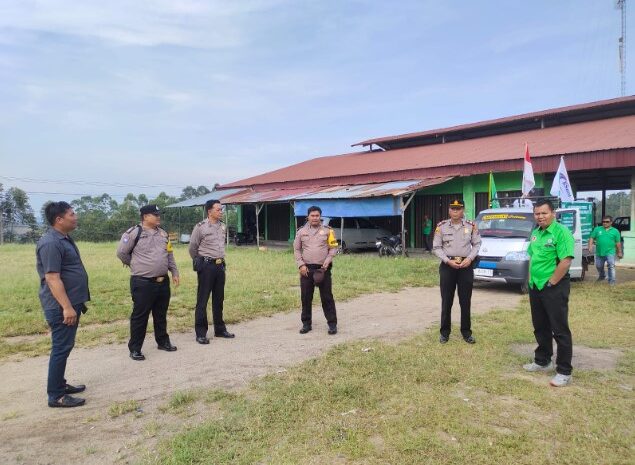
column 188, row 23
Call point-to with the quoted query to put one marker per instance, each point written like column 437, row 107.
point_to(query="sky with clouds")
column 167, row 93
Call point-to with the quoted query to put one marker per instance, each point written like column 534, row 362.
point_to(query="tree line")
column 100, row 218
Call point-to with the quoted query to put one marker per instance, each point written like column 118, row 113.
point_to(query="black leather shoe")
column 168, row 347
column 305, row 329
column 68, row 389
column 67, row 401
column 470, row 340
column 202, row 340
column 137, row 355
column 224, row 334
column 443, row 339
column 332, row 329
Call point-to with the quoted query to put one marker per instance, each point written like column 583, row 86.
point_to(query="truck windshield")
column 505, row 224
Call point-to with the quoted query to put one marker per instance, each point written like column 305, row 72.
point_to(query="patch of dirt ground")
column 32, row 433
column 584, row 358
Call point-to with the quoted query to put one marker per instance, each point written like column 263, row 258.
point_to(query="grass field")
column 421, row 403
column 258, row 284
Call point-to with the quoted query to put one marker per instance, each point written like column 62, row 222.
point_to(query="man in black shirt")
column 63, row 295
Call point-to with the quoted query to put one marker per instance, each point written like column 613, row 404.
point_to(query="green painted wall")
column 470, row 185
column 291, row 224
column 266, row 223
column 239, row 217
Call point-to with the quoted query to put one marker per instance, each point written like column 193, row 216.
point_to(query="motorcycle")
column 246, row 237
column 390, row 246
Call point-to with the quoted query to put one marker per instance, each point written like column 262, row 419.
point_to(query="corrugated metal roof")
column 601, row 105
column 445, row 159
column 200, row 201
column 394, row 188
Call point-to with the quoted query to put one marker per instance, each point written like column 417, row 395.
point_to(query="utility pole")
column 621, row 5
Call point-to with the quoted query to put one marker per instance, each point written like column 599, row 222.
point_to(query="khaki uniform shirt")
column 460, row 240
column 208, row 240
column 152, row 256
column 314, row 246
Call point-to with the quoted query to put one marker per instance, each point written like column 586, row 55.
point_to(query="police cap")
column 457, row 204
column 150, row 209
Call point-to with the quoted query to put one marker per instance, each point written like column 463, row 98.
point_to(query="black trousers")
column 148, row 297
column 211, row 280
column 427, row 242
column 450, row 280
column 550, row 317
column 307, row 288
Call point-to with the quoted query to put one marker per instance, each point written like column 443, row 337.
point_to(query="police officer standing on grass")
column 456, row 242
column 551, row 250
column 63, row 294
column 314, row 248
column 207, row 249
column 147, row 249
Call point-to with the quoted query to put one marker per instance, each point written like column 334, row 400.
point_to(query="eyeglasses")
column 606, row 221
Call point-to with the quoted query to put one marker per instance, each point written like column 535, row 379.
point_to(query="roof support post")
column 404, row 205
column 258, row 208
column 342, row 233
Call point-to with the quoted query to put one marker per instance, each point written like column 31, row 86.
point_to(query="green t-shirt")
column 427, row 227
column 605, row 240
column 546, row 248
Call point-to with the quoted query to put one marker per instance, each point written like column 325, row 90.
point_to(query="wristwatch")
column 549, row 284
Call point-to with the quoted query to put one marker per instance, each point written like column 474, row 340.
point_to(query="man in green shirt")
column 427, row 229
column 608, row 241
column 551, row 249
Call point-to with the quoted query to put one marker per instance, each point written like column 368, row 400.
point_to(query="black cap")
column 150, row 209
column 457, row 204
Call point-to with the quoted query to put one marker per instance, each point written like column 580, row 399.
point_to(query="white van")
column 359, row 233
column 505, row 237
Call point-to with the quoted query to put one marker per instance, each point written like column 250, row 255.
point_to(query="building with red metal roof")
column 597, row 141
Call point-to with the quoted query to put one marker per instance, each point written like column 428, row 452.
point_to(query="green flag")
column 492, row 192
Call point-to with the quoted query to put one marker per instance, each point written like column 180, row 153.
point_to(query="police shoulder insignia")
column 169, row 247
column 201, row 223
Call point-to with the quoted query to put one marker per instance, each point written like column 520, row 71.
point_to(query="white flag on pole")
column 528, row 174
column 561, row 186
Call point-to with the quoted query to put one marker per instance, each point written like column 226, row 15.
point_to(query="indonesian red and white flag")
column 528, row 174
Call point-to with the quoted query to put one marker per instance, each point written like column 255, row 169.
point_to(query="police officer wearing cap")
column 456, row 242
column 207, row 249
column 314, row 248
column 147, row 250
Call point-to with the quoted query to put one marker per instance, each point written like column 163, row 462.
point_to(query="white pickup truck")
column 505, row 237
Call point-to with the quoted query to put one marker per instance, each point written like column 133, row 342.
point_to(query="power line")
column 88, row 183
column 85, row 194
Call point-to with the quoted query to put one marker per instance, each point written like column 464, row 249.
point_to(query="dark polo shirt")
column 57, row 253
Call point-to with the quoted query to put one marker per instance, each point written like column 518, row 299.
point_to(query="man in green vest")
column 608, row 241
column 551, row 250
column 427, row 229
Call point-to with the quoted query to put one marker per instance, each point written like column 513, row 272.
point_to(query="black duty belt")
column 157, row 279
column 216, row 261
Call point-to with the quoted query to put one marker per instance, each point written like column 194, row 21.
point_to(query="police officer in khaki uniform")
column 456, row 243
column 314, row 248
column 207, row 249
column 148, row 251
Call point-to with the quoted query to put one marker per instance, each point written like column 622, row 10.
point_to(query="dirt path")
column 32, row 433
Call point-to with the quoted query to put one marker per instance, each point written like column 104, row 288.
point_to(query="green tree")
column 15, row 210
